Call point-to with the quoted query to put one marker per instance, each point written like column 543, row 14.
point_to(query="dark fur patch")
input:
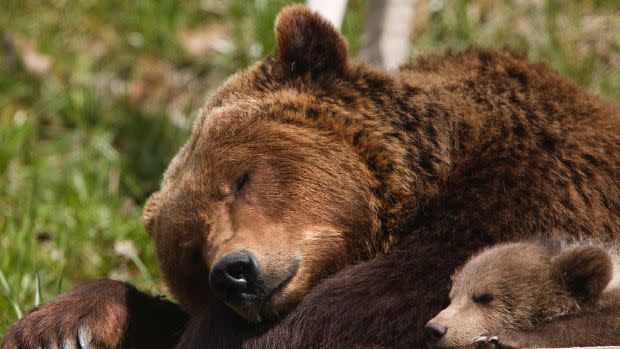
column 308, row 43
column 584, row 272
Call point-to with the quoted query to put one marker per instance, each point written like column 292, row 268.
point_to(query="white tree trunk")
column 333, row 10
column 386, row 37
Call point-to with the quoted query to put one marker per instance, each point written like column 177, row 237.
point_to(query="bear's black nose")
column 434, row 331
column 236, row 278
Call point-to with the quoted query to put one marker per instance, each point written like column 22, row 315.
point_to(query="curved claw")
column 84, row 337
column 483, row 342
column 479, row 339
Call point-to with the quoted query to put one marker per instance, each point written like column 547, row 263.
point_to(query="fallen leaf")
column 34, row 62
column 213, row 37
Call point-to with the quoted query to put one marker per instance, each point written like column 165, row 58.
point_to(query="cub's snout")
column 434, row 331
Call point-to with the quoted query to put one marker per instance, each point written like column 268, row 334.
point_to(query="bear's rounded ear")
column 308, row 43
column 583, row 272
column 149, row 210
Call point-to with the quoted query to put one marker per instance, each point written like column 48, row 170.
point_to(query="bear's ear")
column 583, row 272
column 148, row 213
column 308, row 43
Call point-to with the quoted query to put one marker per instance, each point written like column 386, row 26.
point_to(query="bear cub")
column 533, row 294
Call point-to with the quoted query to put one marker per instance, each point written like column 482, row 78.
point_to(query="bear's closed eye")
column 484, row 298
column 241, row 184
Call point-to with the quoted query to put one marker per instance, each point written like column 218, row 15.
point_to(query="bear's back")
column 532, row 150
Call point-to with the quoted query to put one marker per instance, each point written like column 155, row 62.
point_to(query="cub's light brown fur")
column 519, row 291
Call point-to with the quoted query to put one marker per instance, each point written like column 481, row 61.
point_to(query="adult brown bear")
column 321, row 203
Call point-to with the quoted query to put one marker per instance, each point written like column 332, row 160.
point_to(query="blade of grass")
column 37, row 289
column 143, row 269
column 60, row 279
column 6, row 290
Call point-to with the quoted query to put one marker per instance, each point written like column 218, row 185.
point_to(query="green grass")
column 83, row 144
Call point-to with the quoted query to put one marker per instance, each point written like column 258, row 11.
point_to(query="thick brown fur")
column 378, row 183
column 511, row 290
column 104, row 313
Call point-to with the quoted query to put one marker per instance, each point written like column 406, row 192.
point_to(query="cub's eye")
column 241, row 183
column 484, row 298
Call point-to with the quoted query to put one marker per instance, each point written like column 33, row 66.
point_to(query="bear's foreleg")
column 99, row 314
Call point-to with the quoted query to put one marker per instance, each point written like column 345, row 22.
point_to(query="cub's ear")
column 148, row 213
column 583, row 272
column 308, row 43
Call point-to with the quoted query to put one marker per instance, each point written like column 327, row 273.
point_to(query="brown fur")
column 527, row 286
column 106, row 313
column 377, row 183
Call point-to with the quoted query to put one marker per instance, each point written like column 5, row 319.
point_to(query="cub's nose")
column 434, row 331
column 236, row 279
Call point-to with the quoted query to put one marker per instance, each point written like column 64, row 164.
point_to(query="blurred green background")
column 96, row 97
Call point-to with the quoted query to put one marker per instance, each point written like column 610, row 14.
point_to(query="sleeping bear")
column 533, row 294
column 323, row 203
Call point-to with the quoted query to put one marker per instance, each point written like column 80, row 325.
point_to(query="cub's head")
column 262, row 201
column 516, row 286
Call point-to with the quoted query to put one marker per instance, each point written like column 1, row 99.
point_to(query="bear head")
column 515, row 286
column 268, row 196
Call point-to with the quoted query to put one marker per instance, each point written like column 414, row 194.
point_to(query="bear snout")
column 236, row 278
column 239, row 280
